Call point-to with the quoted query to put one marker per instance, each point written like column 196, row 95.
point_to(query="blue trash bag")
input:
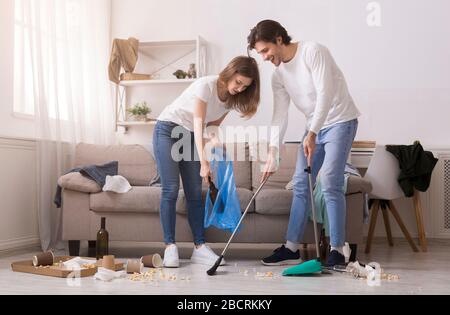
column 226, row 211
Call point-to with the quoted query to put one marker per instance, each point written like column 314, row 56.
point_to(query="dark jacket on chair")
column 416, row 167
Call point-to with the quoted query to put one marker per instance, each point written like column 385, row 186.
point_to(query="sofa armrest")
column 357, row 184
column 77, row 182
column 76, row 216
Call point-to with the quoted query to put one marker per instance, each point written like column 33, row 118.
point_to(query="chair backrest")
column 383, row 172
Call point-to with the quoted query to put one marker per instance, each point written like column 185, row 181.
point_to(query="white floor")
column 420, row 273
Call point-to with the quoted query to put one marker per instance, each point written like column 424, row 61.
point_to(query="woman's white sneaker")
column 171, row 258
column 205, row 256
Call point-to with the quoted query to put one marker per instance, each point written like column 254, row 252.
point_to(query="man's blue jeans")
column 169, row 172
column 333, row 146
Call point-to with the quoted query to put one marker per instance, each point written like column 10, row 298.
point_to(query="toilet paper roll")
column 135, row 266
column 152, row 261
column 109, row 263
column 43, row 259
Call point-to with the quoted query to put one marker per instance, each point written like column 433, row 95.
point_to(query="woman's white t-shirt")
column 181, row 111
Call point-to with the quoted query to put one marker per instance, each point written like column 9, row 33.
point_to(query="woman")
column 205, row 103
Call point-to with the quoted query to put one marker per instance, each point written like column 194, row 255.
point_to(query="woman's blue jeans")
column 170, row 169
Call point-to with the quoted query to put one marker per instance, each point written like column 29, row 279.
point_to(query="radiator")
column 439, row 196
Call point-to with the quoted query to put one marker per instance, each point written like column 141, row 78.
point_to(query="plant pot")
column 140, row 118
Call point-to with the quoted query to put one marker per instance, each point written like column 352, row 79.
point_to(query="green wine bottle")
column 102, row 241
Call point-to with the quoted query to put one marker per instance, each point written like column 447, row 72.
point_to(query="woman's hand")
column 309, row 146
column 205, row 171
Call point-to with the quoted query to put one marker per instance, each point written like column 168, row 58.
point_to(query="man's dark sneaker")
column 282, row 256
column 335, row 259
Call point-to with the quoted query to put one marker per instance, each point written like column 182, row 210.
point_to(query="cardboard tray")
column 56, row 271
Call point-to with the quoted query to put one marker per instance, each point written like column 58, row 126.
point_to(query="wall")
column 18, row 210
column 398, row 73
column 18, row 224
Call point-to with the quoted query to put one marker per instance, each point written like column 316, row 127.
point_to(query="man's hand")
column 272, row 164
column 309, row 146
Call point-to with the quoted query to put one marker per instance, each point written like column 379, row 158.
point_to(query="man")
column 307, row 75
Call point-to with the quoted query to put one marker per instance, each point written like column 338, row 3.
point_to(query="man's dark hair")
column 268, row 31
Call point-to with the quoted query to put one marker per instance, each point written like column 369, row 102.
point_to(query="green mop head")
column 306, row 268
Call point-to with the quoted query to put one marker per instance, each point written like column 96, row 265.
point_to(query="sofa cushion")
column 137, row 200
column 136, row 163
column 288, row 155
column 273, row 202
column 242, row 167
column 357, row 184
column 77, row 182
column 147, row 200
column 244, row 198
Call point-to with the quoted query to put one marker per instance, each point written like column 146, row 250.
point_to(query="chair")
column 383, row 172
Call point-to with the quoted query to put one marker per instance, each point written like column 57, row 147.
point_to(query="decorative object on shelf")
column 140, row 111
column 124, row 55
column 180, row 74
column 127, row 76
column 192, row 72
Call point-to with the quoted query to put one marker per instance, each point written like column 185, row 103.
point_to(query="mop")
column 311, row 266
column 213, row 269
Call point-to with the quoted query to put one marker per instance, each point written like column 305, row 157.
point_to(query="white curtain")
column 61, row 61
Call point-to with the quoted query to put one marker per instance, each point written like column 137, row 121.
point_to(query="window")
column 23, row 83
column 42, row 56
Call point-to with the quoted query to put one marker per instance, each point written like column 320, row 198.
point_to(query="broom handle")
column 313, row 209
column 244, row 214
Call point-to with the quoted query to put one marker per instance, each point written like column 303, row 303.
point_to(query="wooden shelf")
column 149, row 82
column 136, row 123
column 364, row 145
column 160, row 59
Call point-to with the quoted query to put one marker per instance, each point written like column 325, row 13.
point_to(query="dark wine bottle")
column 102, row 241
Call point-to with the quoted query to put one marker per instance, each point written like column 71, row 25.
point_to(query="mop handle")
column 244, row 214
column 313, row 209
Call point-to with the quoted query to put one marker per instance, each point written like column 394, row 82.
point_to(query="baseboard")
column 19, row 243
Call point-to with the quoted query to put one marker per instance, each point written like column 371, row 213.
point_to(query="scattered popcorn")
column 390, row 277
column 153, row 275
column 268, row 274
column 88, row 266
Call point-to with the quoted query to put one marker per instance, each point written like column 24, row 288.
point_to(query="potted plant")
column 140, row 111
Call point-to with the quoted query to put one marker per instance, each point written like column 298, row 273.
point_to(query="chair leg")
column 419, row 220
column 387, row 226
column 402, row 226
column 373, row 223
column 74, row 248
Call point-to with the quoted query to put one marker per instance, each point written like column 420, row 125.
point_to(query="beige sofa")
column 134, row 216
